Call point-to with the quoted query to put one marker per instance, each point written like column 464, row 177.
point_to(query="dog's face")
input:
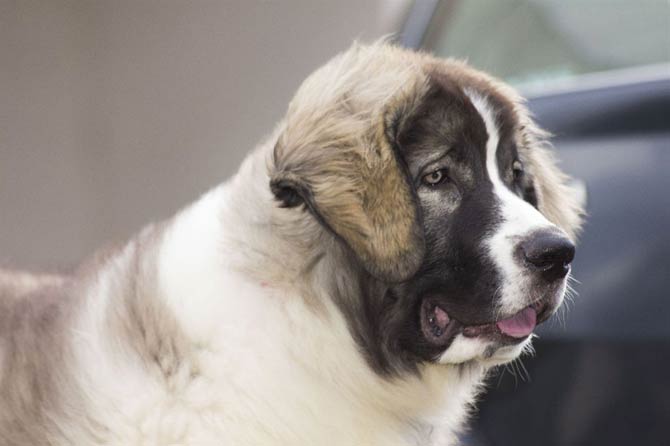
column 445, row 195
column 494, row 266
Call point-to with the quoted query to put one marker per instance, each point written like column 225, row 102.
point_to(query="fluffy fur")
column 238, row 321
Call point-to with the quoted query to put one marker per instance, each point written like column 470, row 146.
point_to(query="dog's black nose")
column 548, row 253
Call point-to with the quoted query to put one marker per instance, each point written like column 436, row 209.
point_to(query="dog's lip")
column 497, row 330
column 517, row 326
column 446, row 333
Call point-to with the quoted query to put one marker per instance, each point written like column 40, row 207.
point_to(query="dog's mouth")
column 439, row 328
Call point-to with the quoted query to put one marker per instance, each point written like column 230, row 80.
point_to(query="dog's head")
column 437, row 181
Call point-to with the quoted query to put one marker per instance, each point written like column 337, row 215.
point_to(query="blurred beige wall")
column 117, row 113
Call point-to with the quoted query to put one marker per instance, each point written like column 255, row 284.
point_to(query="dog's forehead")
column 462, row 79
column 447, row 119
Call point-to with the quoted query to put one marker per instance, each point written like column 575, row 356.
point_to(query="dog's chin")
column 485, row 352
column 491, row 343
column 508, row 353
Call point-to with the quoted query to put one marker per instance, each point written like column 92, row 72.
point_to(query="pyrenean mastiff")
column 403, row 230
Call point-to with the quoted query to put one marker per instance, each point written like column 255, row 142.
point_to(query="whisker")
column 573, row 279
column 513, row 366
column 523, row 371
column 501, row 374
column 529, row 348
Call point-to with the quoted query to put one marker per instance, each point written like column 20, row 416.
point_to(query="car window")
column 534, row 43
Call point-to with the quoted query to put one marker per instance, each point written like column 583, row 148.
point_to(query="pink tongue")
column 520, row 325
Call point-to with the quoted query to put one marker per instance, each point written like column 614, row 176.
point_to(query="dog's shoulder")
column 66, row 339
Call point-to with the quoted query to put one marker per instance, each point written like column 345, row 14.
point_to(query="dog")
column 399, row 234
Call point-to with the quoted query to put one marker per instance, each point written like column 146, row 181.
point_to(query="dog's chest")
column 301, row 411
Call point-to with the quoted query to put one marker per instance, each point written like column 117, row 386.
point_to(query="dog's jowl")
column 403, row 231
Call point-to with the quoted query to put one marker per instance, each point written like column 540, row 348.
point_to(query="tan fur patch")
column 336, row 147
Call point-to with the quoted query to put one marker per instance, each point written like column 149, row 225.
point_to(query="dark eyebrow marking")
column 439, row 155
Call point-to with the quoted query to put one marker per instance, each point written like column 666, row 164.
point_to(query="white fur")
column 464, row 349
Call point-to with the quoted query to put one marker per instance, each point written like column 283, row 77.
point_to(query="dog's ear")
column 355, row 184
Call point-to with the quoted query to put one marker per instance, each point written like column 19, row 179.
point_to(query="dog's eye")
column 436, row 177
column 517, row 169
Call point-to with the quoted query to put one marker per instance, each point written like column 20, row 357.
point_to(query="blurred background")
column 117, row 113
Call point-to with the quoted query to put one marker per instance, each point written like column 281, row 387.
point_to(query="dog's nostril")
column 548, row 253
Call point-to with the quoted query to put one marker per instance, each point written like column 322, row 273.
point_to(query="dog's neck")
column 288, row 250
